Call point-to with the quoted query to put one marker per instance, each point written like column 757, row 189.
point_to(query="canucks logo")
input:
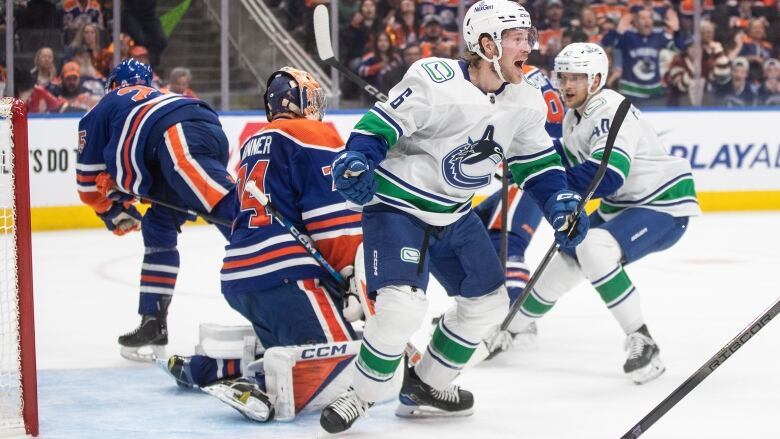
column 471, row 165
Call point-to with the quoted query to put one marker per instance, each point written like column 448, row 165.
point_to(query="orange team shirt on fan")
column 289, row 160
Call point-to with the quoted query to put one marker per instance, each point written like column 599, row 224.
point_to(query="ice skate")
column 244, row 395
column 339, row 415
column 421, row 400
column 152, row 333
column 643, row 363
column 178, row 367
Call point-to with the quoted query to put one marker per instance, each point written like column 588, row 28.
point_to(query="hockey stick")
column 504, row 236
column 694, row 380
column 411, row 351
column 325, row 50
column 617, row 121
column 210, row 218
column 304, row 240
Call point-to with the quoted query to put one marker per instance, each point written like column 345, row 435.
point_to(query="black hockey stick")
column 504, row 236
column 325, row 50
column 617, row 121
column 210, row 218
column 703, row 372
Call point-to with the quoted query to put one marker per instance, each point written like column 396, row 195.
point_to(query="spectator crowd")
column 650, row 43
column 67, row 72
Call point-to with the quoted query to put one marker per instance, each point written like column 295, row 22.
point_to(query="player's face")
column 573, row 88
column 516, row 45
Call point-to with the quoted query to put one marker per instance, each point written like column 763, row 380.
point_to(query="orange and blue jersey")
column 121, row 134
column 289, row 160
column 72, row 11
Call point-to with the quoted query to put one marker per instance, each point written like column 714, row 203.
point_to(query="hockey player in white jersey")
column 415, row 163
column 647, row 196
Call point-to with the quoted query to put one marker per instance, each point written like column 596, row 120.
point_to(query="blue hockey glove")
column 558, row 210
column 353, row 174
column 121, row 218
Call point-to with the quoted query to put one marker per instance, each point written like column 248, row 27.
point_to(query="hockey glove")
column 121, row 218
column 107, row 187
column 353, row 175
column 558, row 210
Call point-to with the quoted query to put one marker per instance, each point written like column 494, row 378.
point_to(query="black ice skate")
column 244, row 395
column 152, row 333
column 178, row 366
column 643, row 363
column 421, row 400
column 339, row 415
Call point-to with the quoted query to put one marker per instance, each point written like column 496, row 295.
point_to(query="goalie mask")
column 294, row 91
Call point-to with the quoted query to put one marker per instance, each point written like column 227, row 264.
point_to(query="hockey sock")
column 399, row 311
column 206, row 370
column 619, row 294
column 457, row 336
column 158, row 277
column 517, row 275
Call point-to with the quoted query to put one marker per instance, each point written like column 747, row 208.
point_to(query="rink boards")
column 735, row 157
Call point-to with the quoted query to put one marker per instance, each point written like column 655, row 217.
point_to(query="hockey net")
column 18, row 392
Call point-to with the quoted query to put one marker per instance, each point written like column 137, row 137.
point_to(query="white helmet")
column 493, row 17
column 588, row 58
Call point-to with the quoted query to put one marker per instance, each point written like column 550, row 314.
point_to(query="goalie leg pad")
column 399, row 312
column 458, row 334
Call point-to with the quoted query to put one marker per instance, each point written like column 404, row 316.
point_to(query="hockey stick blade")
column 325, row 51
column 704, row 371
column 617, row 122
column 322, row 32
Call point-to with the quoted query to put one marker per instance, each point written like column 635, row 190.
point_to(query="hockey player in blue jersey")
column 138, row 142
column 267, row 275
column 415, row 163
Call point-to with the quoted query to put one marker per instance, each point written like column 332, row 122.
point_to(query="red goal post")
column 18, row 380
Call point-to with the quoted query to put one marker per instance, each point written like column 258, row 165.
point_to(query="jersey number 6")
column 259, row 216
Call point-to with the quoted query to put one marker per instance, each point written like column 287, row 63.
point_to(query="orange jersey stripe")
column 158, row 279
column 126, row 147
column 327, row 310
column 211, row 194
column 86, row 178
column 265, row 257
column 516, row 275
column 511, row 198
column 318, row 225
column 309, row 131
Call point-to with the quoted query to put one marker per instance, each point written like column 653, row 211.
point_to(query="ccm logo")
column 324, row 351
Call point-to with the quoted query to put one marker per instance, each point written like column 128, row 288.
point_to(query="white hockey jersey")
column 446, row 137
column 652, row 178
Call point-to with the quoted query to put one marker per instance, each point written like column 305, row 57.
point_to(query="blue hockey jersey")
column 120, row 133
column 289, row 160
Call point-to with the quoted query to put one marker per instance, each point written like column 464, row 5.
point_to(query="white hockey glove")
column 353, row 310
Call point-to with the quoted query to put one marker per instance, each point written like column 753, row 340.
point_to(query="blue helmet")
column 294, row 91
column 129, row 72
